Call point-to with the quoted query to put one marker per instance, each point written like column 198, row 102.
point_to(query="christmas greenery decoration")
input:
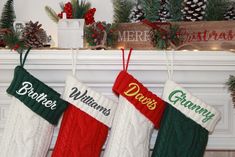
column 100, row 34
column 122, row 10
column 151, row 8
column 74, row 10
column 13, row 41
column 215, row 10
column 80, row 8
column 165, row 38
column 8, row 15
column 231, row 87
column 175, row 7
column 33, row 37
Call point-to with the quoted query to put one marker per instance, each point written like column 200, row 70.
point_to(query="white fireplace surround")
column 203, row 73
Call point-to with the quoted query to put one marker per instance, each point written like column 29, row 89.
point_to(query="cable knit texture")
column 179, row 136
column 85, row 124
column 150, row 105
column 36, row 95
column 130, row 134
column 138, row 112
column 186, row 124
column 25, row 134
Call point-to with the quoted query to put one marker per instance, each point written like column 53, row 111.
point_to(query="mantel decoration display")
column 201, row 24
column 99, row 35
column 70, row 23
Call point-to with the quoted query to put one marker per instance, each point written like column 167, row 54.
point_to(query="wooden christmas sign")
column 204, row 35
column 134, row 35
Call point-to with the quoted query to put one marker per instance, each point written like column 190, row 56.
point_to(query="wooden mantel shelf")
column 202, row 73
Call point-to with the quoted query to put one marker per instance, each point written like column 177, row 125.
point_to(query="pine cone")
column 33, row 35
column 230, row 13
column 137, row 14
column 164, row 14
column 194, row 10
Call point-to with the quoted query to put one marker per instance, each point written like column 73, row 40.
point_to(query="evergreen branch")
column 215, row 10
column 52, row 14
column 231, row 83
column 151, row 8
column 8, row 15
column 74, row 6
column 82, row 8
column 122, row 10
column 175, row 7
column 12, row 40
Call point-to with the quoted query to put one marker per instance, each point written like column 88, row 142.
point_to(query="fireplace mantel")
column 203, row 73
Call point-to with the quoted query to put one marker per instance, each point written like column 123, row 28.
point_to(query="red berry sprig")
column 89, row 16
column 68, row 9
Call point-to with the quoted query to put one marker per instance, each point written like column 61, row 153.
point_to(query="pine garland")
column 215, row 10
column 175, row 7
column 164, row 40
column 151, row 8
column 8, row 15
column 122, row 10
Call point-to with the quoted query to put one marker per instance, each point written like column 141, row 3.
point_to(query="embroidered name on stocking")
column 134, row 91
column 27, row 89
column 178, row 97
column 88, row 100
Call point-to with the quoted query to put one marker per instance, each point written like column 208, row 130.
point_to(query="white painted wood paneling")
column 202, row 73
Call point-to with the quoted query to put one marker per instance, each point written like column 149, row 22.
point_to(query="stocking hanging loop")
column 125, row 67
column 170, row 64
column 74, row 61
column 22, row 61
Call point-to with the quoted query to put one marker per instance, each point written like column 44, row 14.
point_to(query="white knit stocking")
column 26, row 134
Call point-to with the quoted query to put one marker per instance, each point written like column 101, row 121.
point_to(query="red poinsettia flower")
column 89, row 16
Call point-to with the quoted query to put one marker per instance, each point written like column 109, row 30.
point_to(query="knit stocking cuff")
column 192, row 107
column 89, row 101
column 151, row 106
column 36, row 95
